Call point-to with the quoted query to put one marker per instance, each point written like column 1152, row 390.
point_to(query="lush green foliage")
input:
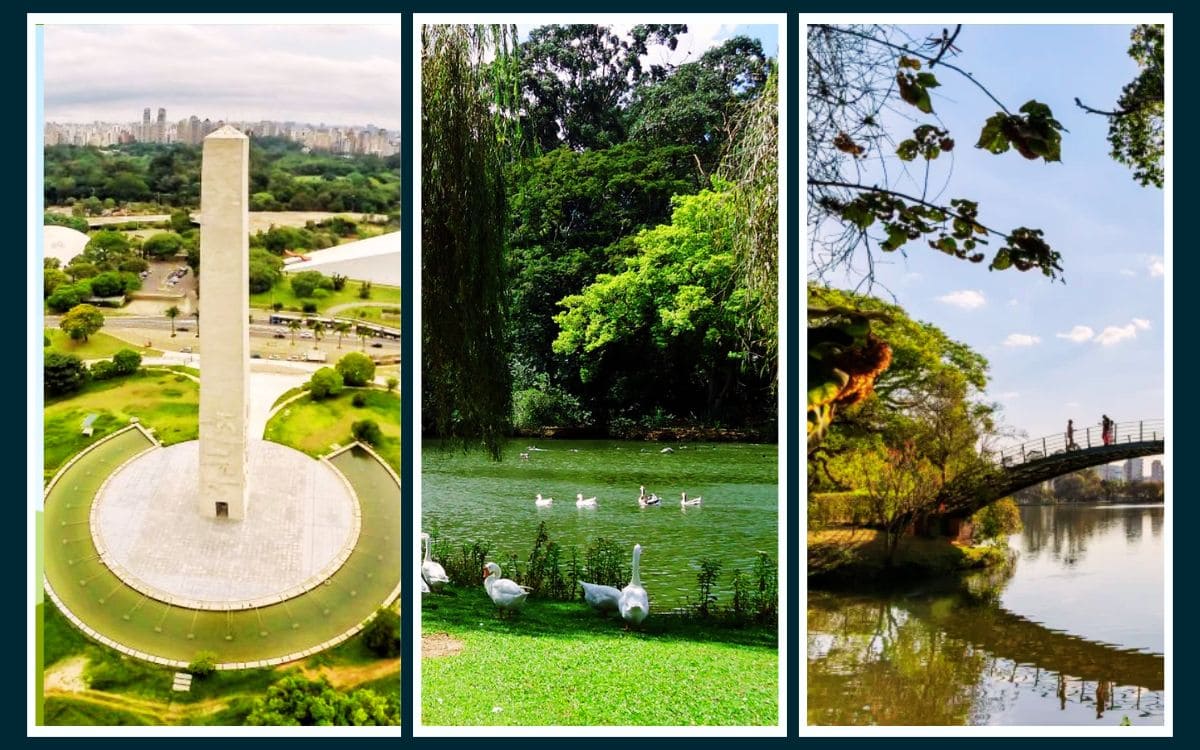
column 295, row 701
column 996, row 522
column 367, row 431
column 382, row 634
column 306, row 283
column 357, row 369
column 282, row 177
column 162, row 245
column 77, row 223
column 324, row 383
column 1135, row 130
column 82, row 321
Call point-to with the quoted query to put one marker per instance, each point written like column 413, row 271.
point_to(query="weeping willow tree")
column 468, row 76
column 751, row 164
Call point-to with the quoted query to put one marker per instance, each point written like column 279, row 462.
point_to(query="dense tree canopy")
column 296, row 701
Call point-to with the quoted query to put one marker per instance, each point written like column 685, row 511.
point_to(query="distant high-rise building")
column 160, row 127
column 145, row 134
column 1133, row 470
column 1156, row 471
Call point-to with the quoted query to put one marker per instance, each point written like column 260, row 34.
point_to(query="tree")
column 162, row 246
column 52, row 279
column 265, row 270
column 172, row 313
column 1135, row 127
column 577, row 80
column 66, row 296
column 677, row 305
column 56, row 219
column 127, row 361
column 181, row 221
column 342, row 328
column 392, row 382
column 996, row 522
column 465, row 146
column 296, row 701
column 855, row 75
column 114, row 284
column 81, row 269
column 382, row 634
column 294, row 325
column 324, row 383
column 367, row 431
column 305, row 283
column 900, row 485
column 82, row 321
column 357, row 369
column 62, row 373
column 105, row 246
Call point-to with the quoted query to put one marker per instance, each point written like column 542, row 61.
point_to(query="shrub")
column 306, row 282
column 309, row 307
column 162, row 245
column 544, row 405
column 463, row 566
column 706, row 581
column 356, row 368
column 324, row 383
column 103, row 370
column 64, row 297
column 382, row 634
column 62, row 373
column 127, row 361
column 359, row 400
column 996, row 521
column 392, row 382
column 367, row 431
column 604, row 563
column 203, row 665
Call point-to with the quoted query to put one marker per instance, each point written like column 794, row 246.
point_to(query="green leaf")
column 908, row 149
column 992, row 136
column 928, row 80
column 910, row 62
column 1002, row 261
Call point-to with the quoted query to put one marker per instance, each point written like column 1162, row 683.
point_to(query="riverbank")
column 677, row 434
column 854, row 554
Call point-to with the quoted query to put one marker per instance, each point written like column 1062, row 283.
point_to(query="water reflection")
column 1041, row 643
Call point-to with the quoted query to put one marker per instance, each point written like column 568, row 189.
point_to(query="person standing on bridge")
column 1070, row 434
column 1105, row 429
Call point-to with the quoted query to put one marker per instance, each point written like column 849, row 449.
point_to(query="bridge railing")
column 1085, row 437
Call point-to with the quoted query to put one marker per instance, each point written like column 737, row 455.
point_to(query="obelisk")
column 224, row 324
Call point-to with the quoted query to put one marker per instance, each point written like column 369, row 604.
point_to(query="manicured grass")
column 166, row 401
column 99, row 345
column 560, row 663
column 60, row 638
column 282, row 293
column 312, row 426
column 388, row 316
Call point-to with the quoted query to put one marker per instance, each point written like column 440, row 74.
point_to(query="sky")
column 332, row 74
column 1095, row 344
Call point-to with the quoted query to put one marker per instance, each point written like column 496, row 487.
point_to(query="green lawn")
column 560, row 663
column 166, row 401
column 312, row 426
column 388, row 316
column 98, row 346
column 282, row 293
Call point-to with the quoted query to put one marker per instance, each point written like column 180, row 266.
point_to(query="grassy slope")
column 98, row 346
column 168, row 402
column 559, row 663
column 312, row 426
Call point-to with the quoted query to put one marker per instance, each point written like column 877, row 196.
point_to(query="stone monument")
column 224, row 329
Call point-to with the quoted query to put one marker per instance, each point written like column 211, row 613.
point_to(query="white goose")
column 601, row 598
column 580, row 502
column 644, row 499
column 543, row 502
column 634, row 603
column 424, row 587
column 684, row 502
column 506, row 594
column 433, row 572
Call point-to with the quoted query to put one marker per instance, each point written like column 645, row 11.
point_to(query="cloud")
column 331, row 73
column 967, row 299
column 1078, row 334
column 1113, row 335
column 1021, row 339
column 1155, row 266
column 1128, row 272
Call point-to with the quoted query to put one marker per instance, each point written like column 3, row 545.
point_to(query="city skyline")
column 336, row 74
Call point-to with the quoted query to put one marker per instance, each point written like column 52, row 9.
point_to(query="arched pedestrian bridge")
column 1035, row 461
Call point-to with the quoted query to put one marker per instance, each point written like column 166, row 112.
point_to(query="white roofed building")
column 375, row 259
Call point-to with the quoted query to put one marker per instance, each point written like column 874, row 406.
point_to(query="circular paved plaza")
column 301, row 523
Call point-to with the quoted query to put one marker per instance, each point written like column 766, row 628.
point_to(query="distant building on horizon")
column 1156, row 471
column 1110, row 473
column 1133, row 470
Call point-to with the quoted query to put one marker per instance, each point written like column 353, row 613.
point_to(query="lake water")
column 1072, row 636
column 468, row 498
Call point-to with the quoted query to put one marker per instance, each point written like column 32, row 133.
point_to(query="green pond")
column 102, row 601
column 1072, row 635
column 467, row 498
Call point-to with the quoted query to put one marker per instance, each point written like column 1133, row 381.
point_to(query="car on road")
column 186, row 350
column 377, row 345
column 255, row 355
column 183, row 330
column 280, row 336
